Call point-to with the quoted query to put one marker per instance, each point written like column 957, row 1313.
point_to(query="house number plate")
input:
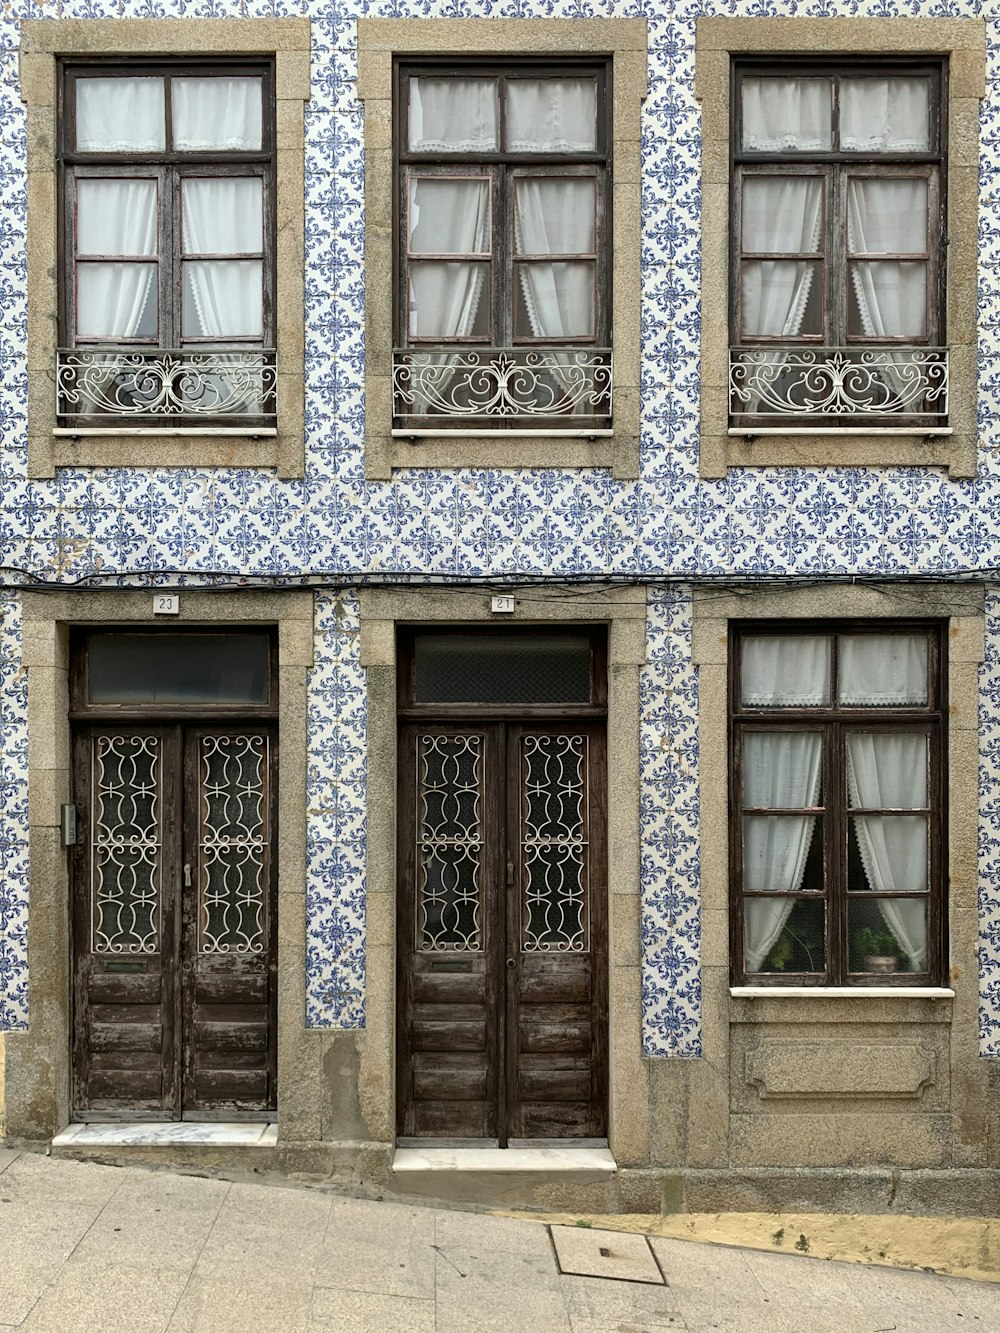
column 166, row 604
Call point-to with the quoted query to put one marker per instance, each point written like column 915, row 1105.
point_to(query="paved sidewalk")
column 94, row 1248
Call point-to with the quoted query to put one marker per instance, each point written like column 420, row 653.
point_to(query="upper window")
column 837, row 305
column 167, row 295
column 837, row 809
column 503, row 292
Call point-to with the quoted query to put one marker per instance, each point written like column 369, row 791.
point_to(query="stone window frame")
column 43, row 43
column 962, row 607
column 623, row 611
column 963, row 43
column 380, row 41
column 38, row 1108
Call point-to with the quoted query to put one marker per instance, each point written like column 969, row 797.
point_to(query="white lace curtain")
column 221, row 216
column 887, row 215
column 115, row 217
column 885, row 770
column 780, row 769
column 552, row 215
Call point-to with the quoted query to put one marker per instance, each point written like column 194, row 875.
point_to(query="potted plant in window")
column 877, row 949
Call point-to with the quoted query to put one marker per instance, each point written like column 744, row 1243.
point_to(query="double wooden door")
column 174, row 922
column 502, row 966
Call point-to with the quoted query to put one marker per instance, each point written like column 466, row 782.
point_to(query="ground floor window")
column 836, row 802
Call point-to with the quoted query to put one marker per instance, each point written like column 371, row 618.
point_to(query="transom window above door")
column 167, row 293
column 837, row 804
column 837, row 300
column 503, row 291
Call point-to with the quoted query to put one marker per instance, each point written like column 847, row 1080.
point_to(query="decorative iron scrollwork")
column 234, row 844
column 554, row 844
column 839, row 382
column 502, row 382
column 449, row 842
column 112, row 382
column 126, row 861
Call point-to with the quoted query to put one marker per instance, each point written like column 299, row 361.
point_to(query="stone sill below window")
column 842, row 992
column 752, row 432
column 402, row 433
column 249, row 432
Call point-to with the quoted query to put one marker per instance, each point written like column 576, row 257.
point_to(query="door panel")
column 447, row 1078
column 173, row 923
column 124, row 920
column 229, row 962
column 557, row 1002
column 502, row 962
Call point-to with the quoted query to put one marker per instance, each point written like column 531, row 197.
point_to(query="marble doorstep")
column 148, row 1135
column 504, row 1159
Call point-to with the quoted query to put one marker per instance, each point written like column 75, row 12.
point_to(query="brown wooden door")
column 502, row 976
column 174, row 922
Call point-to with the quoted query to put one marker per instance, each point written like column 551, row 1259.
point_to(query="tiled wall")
column 117, row 525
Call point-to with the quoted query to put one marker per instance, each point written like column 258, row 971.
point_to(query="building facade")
column 499, row 632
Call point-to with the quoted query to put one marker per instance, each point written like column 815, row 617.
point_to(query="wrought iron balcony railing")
column 528, row 387
column 801, row 385
column 95, row 385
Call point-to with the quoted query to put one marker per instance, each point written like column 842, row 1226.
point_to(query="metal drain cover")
column 616, row 1254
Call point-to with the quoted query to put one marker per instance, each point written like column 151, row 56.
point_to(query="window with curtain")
column 167, row 175
column 502, row 289
column 837, row 804
column 837, row 306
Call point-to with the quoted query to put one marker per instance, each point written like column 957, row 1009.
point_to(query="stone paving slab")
column 91, row 1249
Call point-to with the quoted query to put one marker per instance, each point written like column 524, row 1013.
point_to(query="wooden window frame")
column 408, row 708
column 81, row 709
column 169, row 168
column 831, row 720
column 834, row 167
column 503, row 169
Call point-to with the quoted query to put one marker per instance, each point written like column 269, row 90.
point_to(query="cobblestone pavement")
column 94, row 1248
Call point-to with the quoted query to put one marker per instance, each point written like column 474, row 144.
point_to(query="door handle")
column 187, row 874
column 511, row 964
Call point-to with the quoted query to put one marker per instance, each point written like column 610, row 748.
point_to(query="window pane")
column 115, row 217
column 887, row 770
column 223, row 299
column 886, row 216
column 120, row 116
column 781, row 300
column 116, row 300
column 222, row 215
column 448, row 300
column 217, row 113
column 781, row 769
column 881, row 115
column 554, row 215
column 782, row 214
column 178, row 668
column 887, row 935
column 785, row 670
column 783, row 935
column 551, row 115
column 782, row 115
column 449, row 215
column 888, row 298
column 508, row 669
column 554, row 301
column 892, row 851
column 782, row 853
column 883, row 669
column 453, row 115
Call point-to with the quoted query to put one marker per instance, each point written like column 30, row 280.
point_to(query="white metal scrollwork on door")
column 125, row 865
column 554, row 911
column 449, row 842
column 234, row 844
